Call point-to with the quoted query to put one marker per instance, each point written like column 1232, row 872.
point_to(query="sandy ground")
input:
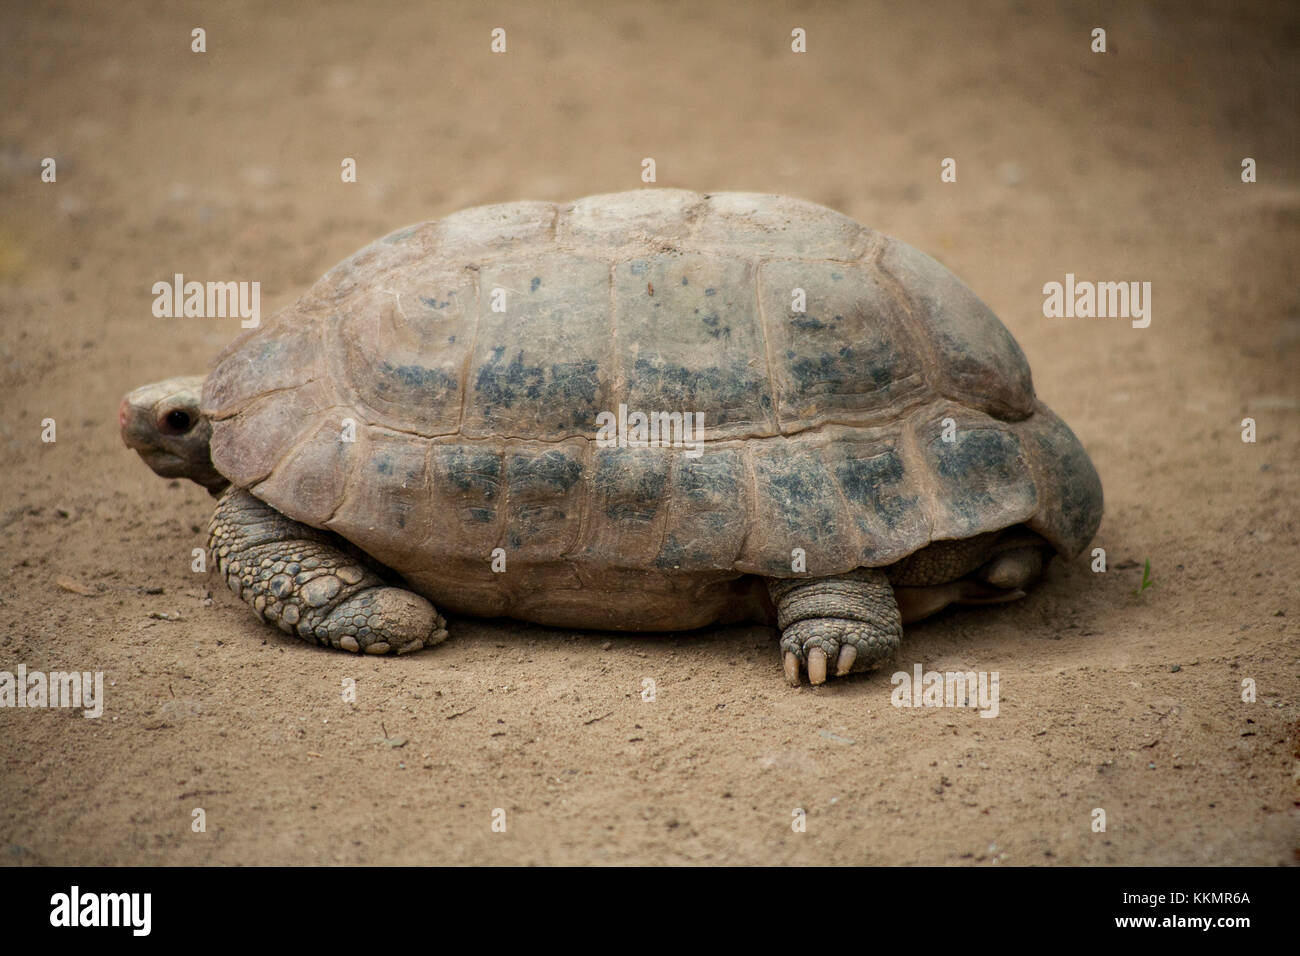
column 1122, row 166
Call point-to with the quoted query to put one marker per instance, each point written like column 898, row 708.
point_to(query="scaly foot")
column 836, row 625
column 304, row 581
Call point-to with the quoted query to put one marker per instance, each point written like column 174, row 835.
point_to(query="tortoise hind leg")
column 304, row 581
column 851, row 620
column 1010, row 570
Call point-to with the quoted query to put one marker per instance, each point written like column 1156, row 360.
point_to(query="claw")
column 848, row 655
column 791, row 664
column 817, row 666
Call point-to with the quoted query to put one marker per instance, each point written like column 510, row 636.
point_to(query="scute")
column 797, row 506
column 388, row 501
column 847, row 355
column 688, row 337
column 779, row 225
column 976, row 361
column 394, row 253
column 616, row 219
column 245, row 448
column 706, row 526
column 402, row 354
column 542, row 356
column 309, row 481
column 468, row 237
column 982, row 480
column 1070, row 508
column 884, row 503
column 627, row 503
column 545, row 490
column 467, row 484
column 284, row 353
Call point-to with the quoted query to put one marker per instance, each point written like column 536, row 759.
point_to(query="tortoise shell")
column 469, row 359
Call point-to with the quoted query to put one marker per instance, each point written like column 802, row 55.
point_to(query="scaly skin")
column 299, row 579
column 852, row 620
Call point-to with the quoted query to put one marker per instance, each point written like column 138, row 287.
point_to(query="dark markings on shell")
column 567, row 390
column 983, row 480
column 1078, row 487
column 807, row 324
column 707, row 524
column 799, row 501
column 875, row 483
column 428, row 386
column 473, row 470
column 677, row 388
column 631, row 482
column 552, row 470
column 984, row 452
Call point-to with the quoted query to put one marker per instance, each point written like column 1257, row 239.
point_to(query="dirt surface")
column 225, row 165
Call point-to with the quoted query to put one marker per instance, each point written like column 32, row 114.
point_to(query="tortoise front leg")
column 300, row 579
column 851, row 619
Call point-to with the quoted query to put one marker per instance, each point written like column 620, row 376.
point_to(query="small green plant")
column 1146, row 579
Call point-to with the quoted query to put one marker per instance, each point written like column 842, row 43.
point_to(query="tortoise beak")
column 134, row 423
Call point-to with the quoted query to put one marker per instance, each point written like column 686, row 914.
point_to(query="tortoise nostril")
column 123, row 413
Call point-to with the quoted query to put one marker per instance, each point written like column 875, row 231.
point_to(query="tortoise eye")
column 177, row 421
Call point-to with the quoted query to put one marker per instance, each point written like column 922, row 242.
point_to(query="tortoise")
column 849, row 439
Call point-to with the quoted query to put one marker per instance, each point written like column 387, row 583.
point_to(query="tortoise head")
column 164, row 423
